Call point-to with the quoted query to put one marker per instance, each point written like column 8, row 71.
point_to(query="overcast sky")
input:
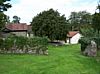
column 27, row 9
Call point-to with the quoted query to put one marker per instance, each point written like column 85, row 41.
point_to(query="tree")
column 4, row 19
column 96, row 24
column 73, row 20
column 96, row 21
column 79, row 19
column 88, row 32
column 4, row 5
column 51, row 24
column 16, row 19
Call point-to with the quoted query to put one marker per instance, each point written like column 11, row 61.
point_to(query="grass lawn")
column 61, row 60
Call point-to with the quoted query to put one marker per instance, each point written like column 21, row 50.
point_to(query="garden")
column 39, row 54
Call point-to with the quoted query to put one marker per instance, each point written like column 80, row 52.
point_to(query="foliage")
column 92, row 34
column 8, row 44
column 16, row 19
column 79, row 19
column 96, row 21
column 4, row 5
column 84, row 41
column 51, row 24
column 96, row 25
column 88, row 31
column 62, row 60
column 39, row 40
column 20, row 42
column 14, row 43
column 97, row 40
column 4, row 19
column 1, row 41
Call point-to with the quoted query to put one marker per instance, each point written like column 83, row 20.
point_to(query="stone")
column 91, row 49
column 46, row 52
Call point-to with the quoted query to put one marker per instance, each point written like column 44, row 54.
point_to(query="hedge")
column 15, row 44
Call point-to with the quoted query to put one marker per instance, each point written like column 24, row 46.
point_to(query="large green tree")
column 4, row 5
column 96, row 21
column 96, row 26
column 73, row 20
column 51, row 24
column 79, row 19
column 4, row 19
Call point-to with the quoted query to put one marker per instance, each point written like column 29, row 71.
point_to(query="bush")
column 8, row 43
column 23, row 44
column 84, row 42
column 38, row 44
column 1, row 41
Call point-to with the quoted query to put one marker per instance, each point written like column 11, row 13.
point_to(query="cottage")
column 18, row 29
column 73, row 37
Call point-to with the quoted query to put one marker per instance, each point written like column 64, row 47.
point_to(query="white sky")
column 27, row 9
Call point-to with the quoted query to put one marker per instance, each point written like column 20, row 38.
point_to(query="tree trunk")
column 98, row 41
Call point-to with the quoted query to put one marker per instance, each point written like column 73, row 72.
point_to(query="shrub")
column 84, row 42
column 38, row 43
column 21, row 42
column 1, row 43
column 8, row 43
column 24, row 44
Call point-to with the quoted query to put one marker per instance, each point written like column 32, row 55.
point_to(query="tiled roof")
column 72, row 33
column 17, row 26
